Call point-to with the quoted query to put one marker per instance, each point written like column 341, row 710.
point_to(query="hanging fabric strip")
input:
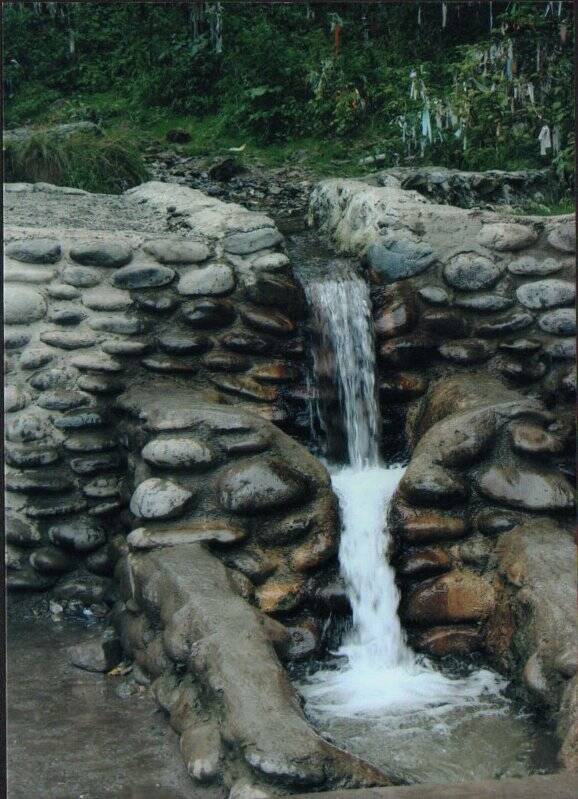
column 556, row 140
column 444, row 15
column 530, row 90
column 491, row 16
column 560, row 8
column 545, row 140
column 413, row 85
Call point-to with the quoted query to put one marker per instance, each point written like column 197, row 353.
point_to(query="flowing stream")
column 376, row 697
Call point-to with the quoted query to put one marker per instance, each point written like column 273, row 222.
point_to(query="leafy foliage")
column 390, row 76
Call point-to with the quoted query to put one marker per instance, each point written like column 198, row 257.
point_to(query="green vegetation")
column 105, row 164
column 322, row 84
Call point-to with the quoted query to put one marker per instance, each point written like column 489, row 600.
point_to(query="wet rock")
column 142, row 276
column 252, row 241
column 184, row 345
column 159, row 499
column 493, row 523
column 529, row 439
column 506, row 237
column 563, row 237
column 225, row 362
column 423, row 561
column 278, row 291
column 505, row 325
column 434, row 295
column 561, row 322
column 74, row 420
column 62, row 400
column 26, row 457
column 79, row 535
column 27, row 274
column 273, row 322
column 245, row 443
column 546, row 293
column 21, row 532
column 29, row 580
column 456, row 639
column 215, row 280
column 106, row 298
column 569, row 383
column 445, row 323
column 65, row 315
column 455, row 596
column 205, row 531
column 280, row 597
column 521, row 346
column 50, row 560
column 275, row 372
column 99, row 655
column 35, row 251
column 468, row 351
column 484, row 303
column 469, row 271
column 15, row 558
column 529, row 266
column 243, row 788
column 396, row 259
column 563, row 350
column 425, row 483
column 201, row 749
column 101, row 253
column 155, row 301
column 520, row 371
column 423, row 528
column 88, row 589
column 253, row 563
column 15, row 399
column 245, row 387
column 396, row 312
column 60, row 291
column 528, row 489
column 402, row 387
column 319, row 548
column 37, row 482
column 95, row 463
column 22, row 305
column 169, row 365
column 129, row 348
column 100, row 384
column 270, row 262
column 90, row 442
column 100, row 562
column 101, row 488
column 177, row 252
column 259, row 485
column 406, row 351
column 26, row 427
column 246, row 343
column 15, row 339
column 80, row 276
column 50, row 508
column 96, row 362
column 206, row 314
column 121, row 324
column 178, row 453
column 68, row 339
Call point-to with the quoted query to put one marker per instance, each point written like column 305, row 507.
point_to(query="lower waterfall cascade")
column 376, row 689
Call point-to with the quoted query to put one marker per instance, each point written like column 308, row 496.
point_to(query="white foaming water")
column 379, row 672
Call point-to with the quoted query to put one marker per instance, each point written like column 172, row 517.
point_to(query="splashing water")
column 378, row 671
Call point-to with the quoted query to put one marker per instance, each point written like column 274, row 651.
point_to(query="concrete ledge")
column 555, row 786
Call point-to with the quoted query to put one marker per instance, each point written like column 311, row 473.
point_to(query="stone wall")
column 91, row 313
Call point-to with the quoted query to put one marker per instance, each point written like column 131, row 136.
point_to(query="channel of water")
column 375, row 697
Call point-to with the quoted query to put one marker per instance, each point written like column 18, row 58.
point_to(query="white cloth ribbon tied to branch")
column 545, row 140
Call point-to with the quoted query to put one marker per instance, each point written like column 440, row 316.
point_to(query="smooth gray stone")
column 35, row 251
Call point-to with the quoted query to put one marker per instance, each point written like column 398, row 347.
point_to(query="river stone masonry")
column 90, row 313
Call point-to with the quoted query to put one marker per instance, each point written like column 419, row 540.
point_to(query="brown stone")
column 528, row 489
column 277, row 597
column 403, row 386
column 448, row 324
column 529, row 439
column 225, row 362
column 492, row 523
column 421, row 528
column 273, row 322
column 406, row 351
column 457, row 639
column 396, row 313
column 453, row 597
column 466, row 351
column 315, row 551
column 246, row 387
column 423, row 561
column 426, row 483
column 274, row 372
column 206, row 531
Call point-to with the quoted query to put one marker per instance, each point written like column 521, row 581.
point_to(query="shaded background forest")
column 469, row 85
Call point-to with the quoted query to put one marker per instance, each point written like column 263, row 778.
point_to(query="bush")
column 103, row 164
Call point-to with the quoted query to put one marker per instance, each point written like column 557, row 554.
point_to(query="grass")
column 106, row 164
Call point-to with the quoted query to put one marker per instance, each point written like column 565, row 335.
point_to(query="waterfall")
column 377, row 669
